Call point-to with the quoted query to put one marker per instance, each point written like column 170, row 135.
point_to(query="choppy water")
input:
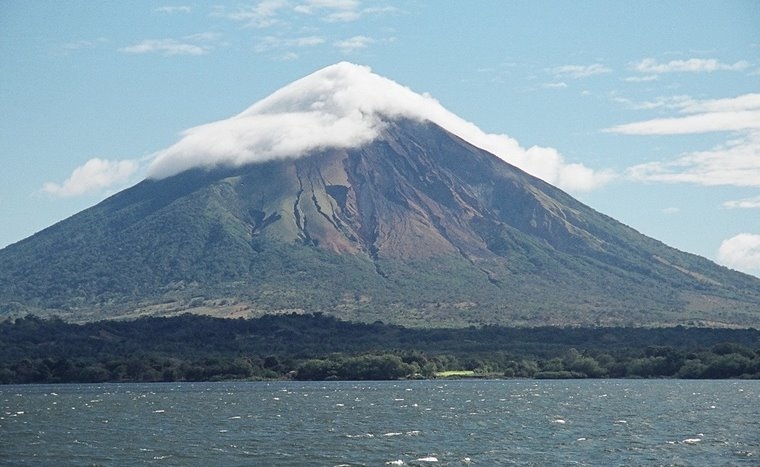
column 512, row 422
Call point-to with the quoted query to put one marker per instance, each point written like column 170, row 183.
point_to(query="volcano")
column 347, row 194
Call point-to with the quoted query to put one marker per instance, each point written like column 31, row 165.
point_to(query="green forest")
column 319, row 347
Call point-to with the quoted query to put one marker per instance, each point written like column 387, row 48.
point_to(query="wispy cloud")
column 678, row 103
column 641, row 79
column 699, row 123
column 746, row 203
column 735, row 162
column 741, row 252
column 167, row 47
column 688, row 105
column 274, row 43
column 308, row 41
column 194, row 44
column 95, row 175
column 311, row 6
column 732, row 104
column 285, row 49
column 710, row 115
column 75, row 46
column 283, row 17
column 268, row 13
column 332, row 10
column 340, row 10
column 208, row 37
column 264, row 14
column 185, row 9
column 580, row 71
column 288, row 57
column 651, row 66
column 354, row 43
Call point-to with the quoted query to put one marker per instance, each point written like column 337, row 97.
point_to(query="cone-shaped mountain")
column 408, row 224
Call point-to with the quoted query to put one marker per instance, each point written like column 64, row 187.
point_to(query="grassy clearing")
column 455, row 374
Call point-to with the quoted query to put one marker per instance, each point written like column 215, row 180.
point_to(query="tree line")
column 320, row 347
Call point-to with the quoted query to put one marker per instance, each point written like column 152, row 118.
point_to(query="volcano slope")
column 417, row 227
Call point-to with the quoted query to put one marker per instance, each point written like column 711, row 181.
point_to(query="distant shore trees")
column 319, row 347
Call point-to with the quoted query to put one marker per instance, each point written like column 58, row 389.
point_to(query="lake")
column 499, row 422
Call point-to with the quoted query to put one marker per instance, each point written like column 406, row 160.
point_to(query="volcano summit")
column 348, row 194
column 346, row 106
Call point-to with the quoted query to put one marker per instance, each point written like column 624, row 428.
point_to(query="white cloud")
column 96, row 174
column 746, row 203
column 309, row 41
column 262, row 15
column 285, row 14
column 193, row 44
column 729, row 114
column 671, row 211
column 651, row 66
column 735, row 163
column 735, row 104
column 204, row 37
column 741, row 252
column 345, row 105
column 671, row 102
column 580, row 71
column 313, row 6
column 380, row 9
column 700, row 123
column 174, row 9
column 76, row 46
column 641, row 79
column 166, row 47
column 270, row 43
column 332, row 10
column 354, row 43
column 688, row 105
column 558, row 85
column 268, row 13
column 288, row 57
column 343, row 16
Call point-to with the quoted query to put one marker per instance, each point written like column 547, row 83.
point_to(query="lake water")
column 510, row 422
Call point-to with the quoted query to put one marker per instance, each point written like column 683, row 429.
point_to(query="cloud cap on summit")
column 345, row 106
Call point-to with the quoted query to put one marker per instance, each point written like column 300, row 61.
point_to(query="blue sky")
column 661, row 100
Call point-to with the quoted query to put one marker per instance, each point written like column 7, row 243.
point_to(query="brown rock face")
column 402, row 198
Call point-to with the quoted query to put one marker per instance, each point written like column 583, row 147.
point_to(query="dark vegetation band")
column 320, row 347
